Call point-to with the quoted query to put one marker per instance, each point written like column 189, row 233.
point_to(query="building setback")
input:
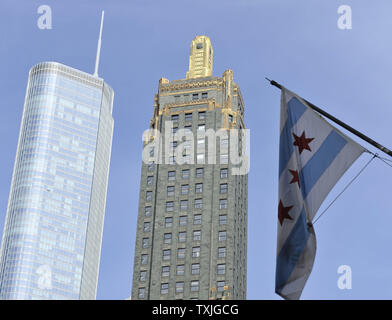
column 53, row 231
column 191, row 240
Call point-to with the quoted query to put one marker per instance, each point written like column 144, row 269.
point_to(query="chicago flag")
column 313, row 156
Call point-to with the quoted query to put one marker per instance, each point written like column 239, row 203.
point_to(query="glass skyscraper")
column 53, row 232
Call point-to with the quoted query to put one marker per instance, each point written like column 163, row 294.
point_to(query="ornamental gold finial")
column 200, row 59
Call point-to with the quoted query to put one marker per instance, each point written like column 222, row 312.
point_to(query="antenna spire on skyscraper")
column 99, row 46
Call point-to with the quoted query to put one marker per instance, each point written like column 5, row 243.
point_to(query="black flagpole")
column 341, row 123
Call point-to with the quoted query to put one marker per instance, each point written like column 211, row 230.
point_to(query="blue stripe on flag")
column 291, row 251
column 295, row 109
column 320, row 161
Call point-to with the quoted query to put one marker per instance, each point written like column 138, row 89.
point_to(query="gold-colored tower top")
column 200, row 59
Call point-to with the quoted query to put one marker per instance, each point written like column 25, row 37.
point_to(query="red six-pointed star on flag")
column 302, row 142
column 283, row 212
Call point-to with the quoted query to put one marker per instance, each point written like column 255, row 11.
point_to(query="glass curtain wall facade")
column 53, row 232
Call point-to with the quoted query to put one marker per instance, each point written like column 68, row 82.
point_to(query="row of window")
column 181, row 252
column 188, row 116
column 180, row 271
column 167, row 237
column 186, row 173
column 223, row 188
column 200, row 127
column 197, row 220
column 198, row 203
column 199, row 173
column 200, row 159
column 179, row 288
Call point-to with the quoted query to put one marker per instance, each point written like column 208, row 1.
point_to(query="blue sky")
column 297, row 43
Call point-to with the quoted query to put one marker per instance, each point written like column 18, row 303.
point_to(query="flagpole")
column 341, row 123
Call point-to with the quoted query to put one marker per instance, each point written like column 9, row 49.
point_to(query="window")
column 182, row 236
column 150, row 180
column 199, row 172
column 151, row 166
column 164, row 288
column 166, row 271
column 172, row 160
column 195, row 269
column 168, row 222
column 174, row 117
column 176, row 98
column 188, row 116
column 169, row 206
column 198, row 188
column 180, row 271
column 221, row 252
column 201, row 127
column 144, row 259
column 204, row 95
column 145, row 243
column 188, row 129
column 224, row 145
column 167, row 238
column 186, row 159
column 152, row 151
column 147, row 211
column 224, row 173
column 171, row 175
column 195, row 252
column 184, row 189
column 197, row 219
column 200, row 158
column 174, row 130
column 222, row 219
column 197, row 235
column 224, row 159
column 202, row 115
column 220, row 286
column 173, row 145
column 141, row 293
column 221, row 269
column 186, row 145
column 222, row 235
column 223, row 204
column 181, row 253
column 201, row 144
column 185, row 174
column 230, row 118
column 183, row 221
column 198, row 203
column 195, row 96
column 223, row 188
column 149, row 196
column 184, row 205
column 194, row 285
column 199, row 46
column 170, row 191
column 179, row 287
column 143, row 275
column 146, row 227
column 166, row 254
